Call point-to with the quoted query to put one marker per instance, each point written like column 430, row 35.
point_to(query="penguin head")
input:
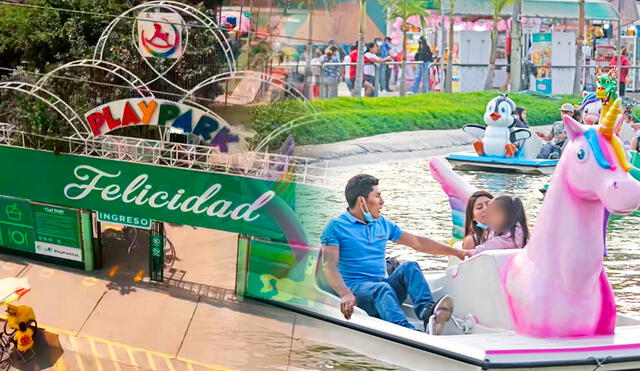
column 500, row 112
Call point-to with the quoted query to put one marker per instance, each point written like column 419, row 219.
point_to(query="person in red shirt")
column 624, row 61
column 353, row 56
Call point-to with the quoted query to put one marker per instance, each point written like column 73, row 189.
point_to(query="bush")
column 349, row 118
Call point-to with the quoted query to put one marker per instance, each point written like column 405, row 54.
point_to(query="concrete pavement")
column 106, row 320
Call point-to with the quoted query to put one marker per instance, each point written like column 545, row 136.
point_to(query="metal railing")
column 260, row 165
column 318, row 73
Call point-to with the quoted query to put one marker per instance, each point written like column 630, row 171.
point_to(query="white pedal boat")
column 524, row 162
column 490, row 344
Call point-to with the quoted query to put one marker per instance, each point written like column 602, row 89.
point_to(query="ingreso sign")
column 131, row 221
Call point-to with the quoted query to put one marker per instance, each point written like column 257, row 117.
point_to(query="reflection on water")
column 313, row 357
column 415, row 201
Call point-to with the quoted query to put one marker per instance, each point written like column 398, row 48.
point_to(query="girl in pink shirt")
column 507, row 223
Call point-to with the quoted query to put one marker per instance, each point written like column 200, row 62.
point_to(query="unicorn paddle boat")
column 546, row 306
column 500, row 147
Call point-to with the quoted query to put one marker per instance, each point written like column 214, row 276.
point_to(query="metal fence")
column 323, row 84
column 261, row 165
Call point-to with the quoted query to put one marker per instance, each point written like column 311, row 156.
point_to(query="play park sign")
column 159, row 112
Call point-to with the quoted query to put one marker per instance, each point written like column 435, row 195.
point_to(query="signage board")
column 153, row 111
column 156, row 243
column 225, row 202
column 131, row 221
column 40, row 229
column 160, row 35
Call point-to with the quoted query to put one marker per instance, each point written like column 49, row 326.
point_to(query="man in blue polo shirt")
column 354, row 246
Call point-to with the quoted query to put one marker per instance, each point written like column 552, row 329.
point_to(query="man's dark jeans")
column 384, row 298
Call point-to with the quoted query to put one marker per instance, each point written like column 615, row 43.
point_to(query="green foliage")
column 36, row 37
column 348, row 118
column 404, row 8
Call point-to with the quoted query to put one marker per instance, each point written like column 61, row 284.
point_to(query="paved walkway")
column 115, row 322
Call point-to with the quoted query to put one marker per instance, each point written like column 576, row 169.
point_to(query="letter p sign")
column 95, row 120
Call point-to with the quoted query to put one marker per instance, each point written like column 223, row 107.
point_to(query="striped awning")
column 567, row 9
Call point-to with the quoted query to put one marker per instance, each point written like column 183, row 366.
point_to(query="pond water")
column 416, row 202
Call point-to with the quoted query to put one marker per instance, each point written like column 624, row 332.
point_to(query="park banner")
column 183, row 196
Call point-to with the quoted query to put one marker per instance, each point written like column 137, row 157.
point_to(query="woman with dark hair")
column 475, row 231
column 521, row 120
column 507, row 222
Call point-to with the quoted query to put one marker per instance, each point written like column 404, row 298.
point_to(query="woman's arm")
column 468, row 243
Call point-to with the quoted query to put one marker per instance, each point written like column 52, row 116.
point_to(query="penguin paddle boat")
column 501, row 147
column 547, row 306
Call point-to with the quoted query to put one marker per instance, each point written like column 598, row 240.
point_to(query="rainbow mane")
column 611, row 114
column 588, row 99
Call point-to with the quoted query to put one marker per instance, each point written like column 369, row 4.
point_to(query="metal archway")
column 176, row 7
column 300, row 121
column 119, row 71
column 256, row 76
column 53, row 101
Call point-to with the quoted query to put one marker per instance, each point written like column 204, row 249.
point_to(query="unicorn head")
column 596, row 166
column 591, row 107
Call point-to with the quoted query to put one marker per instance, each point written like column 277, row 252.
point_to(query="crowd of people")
column 556, row 139
column 333, row 65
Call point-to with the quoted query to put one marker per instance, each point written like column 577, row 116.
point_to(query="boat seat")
column 476, row 288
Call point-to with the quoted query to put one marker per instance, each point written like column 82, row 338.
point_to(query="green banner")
column 40, row 229
column 218, row 201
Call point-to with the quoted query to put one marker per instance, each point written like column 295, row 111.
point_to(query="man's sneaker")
column 436, row 317
column 554, row 156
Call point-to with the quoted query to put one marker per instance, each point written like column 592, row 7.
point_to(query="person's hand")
column 460, row 254
column 347, row 302
column 540, row 134
column 467, row 253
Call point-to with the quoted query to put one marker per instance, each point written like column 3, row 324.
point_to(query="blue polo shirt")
column 384, row 50
column 362, row 246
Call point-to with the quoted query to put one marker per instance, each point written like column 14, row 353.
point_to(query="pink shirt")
column 504, row 241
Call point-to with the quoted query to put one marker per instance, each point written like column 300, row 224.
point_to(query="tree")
column 497, row 5
column 404, row 9
column 579, row 42
column 516, row 34
column 449, row 71
column 357, row 85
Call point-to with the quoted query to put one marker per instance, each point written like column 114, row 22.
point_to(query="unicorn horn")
column 608, row 122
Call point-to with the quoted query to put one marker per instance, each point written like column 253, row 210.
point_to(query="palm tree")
column 449, row 71
column 404, row 9
column 579, row 42
column 516, row 34
column 498, row 5
column 357, row 84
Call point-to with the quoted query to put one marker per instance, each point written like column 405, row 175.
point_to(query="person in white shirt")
column 370, row 58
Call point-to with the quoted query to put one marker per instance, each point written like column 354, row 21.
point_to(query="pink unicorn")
column 556, row 286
